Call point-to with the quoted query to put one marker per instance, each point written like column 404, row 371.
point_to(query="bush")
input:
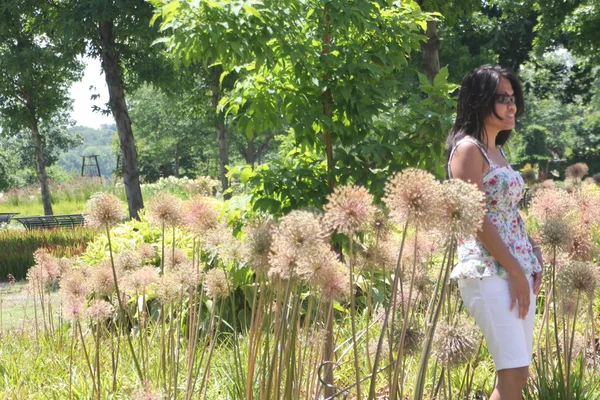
column 17, row 247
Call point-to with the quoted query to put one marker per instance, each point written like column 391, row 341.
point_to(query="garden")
column 206, row 298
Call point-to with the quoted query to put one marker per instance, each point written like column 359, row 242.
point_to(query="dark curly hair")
column 476, row 101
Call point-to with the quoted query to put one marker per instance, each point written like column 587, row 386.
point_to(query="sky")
column 80, row 92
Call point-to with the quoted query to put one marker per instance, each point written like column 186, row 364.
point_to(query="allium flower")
column 568, row 304
column 551, row 204
column 414, row 195
column 48, row 263
column 380, row 224
column 146, row 252
column 455, row 343
column 99, row 309
column 333, row 279
column 556, row 232
column 548, row 184
column 219, row 242
column 579, row 276
column 349, row 208
column 412, row 340
column 577, row 171
column 384, row 256
column 140, row 279
column 74, row 284
column 581, row 245
column 215, row 284
column 588, row 205
column 422, row 281
column 187, row 275
column 201, row 214
column 165, row 208
column 102, row 280
column 169, row 289
column 256, row 244
column 128, row 260
column 73, row 308
column 103, row 210
column 297, row 236
column 174, row 257
column 462, row 208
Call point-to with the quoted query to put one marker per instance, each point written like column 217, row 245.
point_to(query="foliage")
column 93, row 142
column 17, row 247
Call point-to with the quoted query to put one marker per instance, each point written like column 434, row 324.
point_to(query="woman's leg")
column 510, row 384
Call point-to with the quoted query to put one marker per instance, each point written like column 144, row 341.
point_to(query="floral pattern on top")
column 503, row 188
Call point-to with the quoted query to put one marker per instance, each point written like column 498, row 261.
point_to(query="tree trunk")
column 176, row 172
column 250, row 152
column 118, row 106
column 39, row 158
column 431, row 58
column 221, row 130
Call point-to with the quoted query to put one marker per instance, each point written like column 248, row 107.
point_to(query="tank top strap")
column 476, row 143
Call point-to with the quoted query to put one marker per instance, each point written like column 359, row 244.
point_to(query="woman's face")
column 505, row 108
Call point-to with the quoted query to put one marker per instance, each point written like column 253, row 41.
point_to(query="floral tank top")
column 503, row 188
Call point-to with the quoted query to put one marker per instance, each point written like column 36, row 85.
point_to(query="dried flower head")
column 382, row 256
column 128, row 260
column 548, row 184
column 556, row 232
column 99, row 309
column 219, row 242
column 412, row 340
column 74, row 284
column 333, row 279
column 577, row 171
column 298, row 235
column 146, row 252
column 201, row 214
column 462, row 208
column 349, row 208
column 187, row 275
column 169, row 289
column 455, row 343
column 581, row 246
column 596, row 178
column 174, row 257
column 588, row 205
column 215, row 284
column 256, row 244
column 413, row 195
column 73, row 308
column 138, row 280
column 102, row 281
column 165, row 208
column 551, row 204
column 48, row 263
column 579, row 276
column 103, row 210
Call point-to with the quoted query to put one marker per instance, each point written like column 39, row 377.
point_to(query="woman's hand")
column 519, row 293
column 537, row 276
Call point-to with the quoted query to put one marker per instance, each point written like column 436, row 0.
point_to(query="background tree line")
column 307, row 94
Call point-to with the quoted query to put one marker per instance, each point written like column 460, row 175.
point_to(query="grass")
column 16, row 306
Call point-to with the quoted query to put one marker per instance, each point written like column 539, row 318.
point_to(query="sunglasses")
column 506, row 99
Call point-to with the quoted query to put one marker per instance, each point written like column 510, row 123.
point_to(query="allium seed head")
column 596, row 178
column 577, row 171
column 551, row 204
column 579, row 276
column 201, row 214
column 146, row 252
column 102, row 280
column 462, row 208
column 556, row 232
column 169, row 289
column 215, row 284
column 128, row 260
column 73, row 308
column 256, row 244
column 74, row 284
column 103, row 210
column 414, row 195
column 349, row 208
column 174, row 257
column 165, row 208
column 138, row 280
column 455, row 343
column 99, row 309
column 548, row 184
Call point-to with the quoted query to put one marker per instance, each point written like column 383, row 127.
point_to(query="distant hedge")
column 17, row 247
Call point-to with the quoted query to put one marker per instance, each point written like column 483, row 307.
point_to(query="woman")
column 499, row 272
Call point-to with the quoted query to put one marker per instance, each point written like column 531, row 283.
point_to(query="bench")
column 51, row 221
column 5, row 217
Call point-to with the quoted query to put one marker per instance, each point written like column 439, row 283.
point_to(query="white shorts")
column 509, row 339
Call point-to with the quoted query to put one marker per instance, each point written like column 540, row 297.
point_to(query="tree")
column 119, row 34
column 37, row 71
